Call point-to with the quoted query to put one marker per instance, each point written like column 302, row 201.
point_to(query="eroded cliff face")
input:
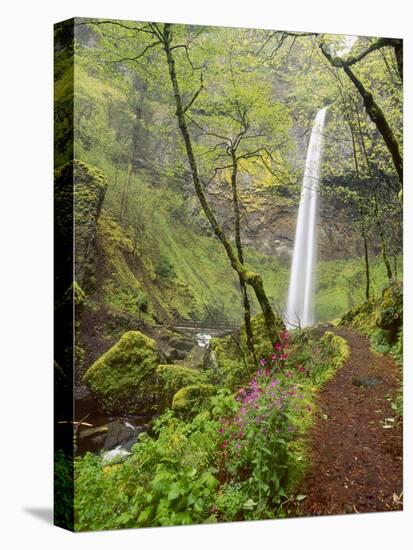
column 89, row 190
column 269, row 221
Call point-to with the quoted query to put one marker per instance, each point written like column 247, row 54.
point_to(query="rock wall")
column 268, row 221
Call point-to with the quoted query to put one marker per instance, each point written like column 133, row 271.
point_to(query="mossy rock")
column 124, row 378
column 191, row 398
column 360, row 316
column 337, row 346
column 182, row 344
column 79, row 194
column 381, row 318
column 389, row 313
column 195, row 359
column 172, row 378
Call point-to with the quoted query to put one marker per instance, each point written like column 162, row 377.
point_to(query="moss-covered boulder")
column 172, row 378
column 124, row 378
column 191, row 398
column 389, row 312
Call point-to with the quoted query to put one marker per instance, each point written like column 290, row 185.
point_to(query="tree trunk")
column 363, row 225
column 366, row 264
column 398, row 54
column 395, row 267
column 249, row 277
column 382, row 238
column 123, row 215
column 238, row 242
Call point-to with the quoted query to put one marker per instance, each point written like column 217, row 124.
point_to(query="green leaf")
column 175, row 491
column 123, row 518
column 144, row 516
column 249, row 504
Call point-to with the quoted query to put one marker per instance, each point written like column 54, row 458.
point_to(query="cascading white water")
column 300, row 304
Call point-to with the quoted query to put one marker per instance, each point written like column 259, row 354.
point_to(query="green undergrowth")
column 234, row 361
column 237, row 455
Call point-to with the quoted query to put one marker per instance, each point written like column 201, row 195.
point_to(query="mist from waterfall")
column 300, row 303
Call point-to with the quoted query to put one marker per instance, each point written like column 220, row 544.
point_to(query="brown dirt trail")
column 356, row 462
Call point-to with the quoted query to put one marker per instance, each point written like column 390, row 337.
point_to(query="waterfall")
column 300, row 302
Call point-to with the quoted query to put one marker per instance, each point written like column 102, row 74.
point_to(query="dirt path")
column 356, row 454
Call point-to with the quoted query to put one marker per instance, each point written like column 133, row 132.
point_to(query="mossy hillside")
column 200, row 268
column 119, row 289
column 124, row 378
column 201, row 278
column 340, row 285
column 63, row 103
column 131, row 284
column 380, row 319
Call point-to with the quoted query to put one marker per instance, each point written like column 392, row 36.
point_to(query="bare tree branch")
column 196, row 94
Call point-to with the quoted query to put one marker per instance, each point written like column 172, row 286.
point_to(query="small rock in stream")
column 118, row 434
column 114, row 456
